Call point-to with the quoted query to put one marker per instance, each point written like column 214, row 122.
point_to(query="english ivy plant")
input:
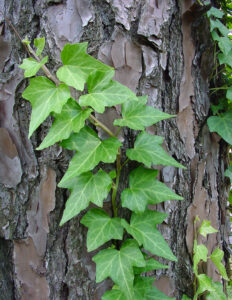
column 74, row 127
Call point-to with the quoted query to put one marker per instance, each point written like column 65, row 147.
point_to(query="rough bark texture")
column 161, row 48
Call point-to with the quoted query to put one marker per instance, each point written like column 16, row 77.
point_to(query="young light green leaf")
column 39, row 44
column 78, row 66
column 118, row 265
column 71, row 118
column 143, row 228
column 216, row 258
column 215, row 12
column 151, row 264
column 101, row 227
column 228, row 173
column 185, row 297
column 222, row 125
column 91, row 150
column 137, row 115
column 140, row 194
column 148, row 150
column 200, row 252
column 205, row 284
column 144, row 290
column 107, row 94
column 206, row 228
column 84, row 189
column 45, row 97
column 32, row 66
column 218, row 293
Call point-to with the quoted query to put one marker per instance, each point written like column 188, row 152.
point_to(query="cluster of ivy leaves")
column 74, row 128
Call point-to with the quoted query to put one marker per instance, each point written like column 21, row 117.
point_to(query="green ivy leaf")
column 32, row 66
column 148, row 150
column 222, row 125
column 229, row 93
column 225, row 59
column 91, row 150
column 140, row 194
column 102, row 93
column 217, row 293
column 78, row 65
column 137, row 115
column 45, row 97
column 144, row 290
column 39, row 44
column 225, row 44
column 114, row 294
column 205, row 284
column 216, row 24
column 206, row 228
column 215, row 12
column 200, row 253
column 151, row 264
column 143, row 228
column 185, row 297
column 216, row 258
column 71, row 118
column 101, row 227
column 84, row 189
column 228, row 173
column 118, row 265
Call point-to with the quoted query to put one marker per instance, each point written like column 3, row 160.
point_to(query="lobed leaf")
column 151, row 264
column 91, row 150
column 39, row 44
column 222, row 125
column 206, row 228
column 143, row 228
column 137, row 115
column 102, row 92
column 45, row 97
column 101, row 228
column 200, row 253
column 205, row 284
column 84, row 189
column 140, row 193
column 216, row 258
column 71, row 119
column 148, row 150
column 213, row 11
column 78, row 65
column 217, row 293
column 225, row 59
column 32, row 66
column 118, row 265
column 216, row 24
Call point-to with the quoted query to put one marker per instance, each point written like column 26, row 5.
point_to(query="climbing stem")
column 115, row 189
column 96, row 122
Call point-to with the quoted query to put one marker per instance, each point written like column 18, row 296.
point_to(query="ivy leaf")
column 114, row 294
column 143, row 228
column 222, row 125
column 225, row 59
column 151, row 264
column 78, row 65
column 45, row 97
column 140, row 194
column 101, row 95
column 205, row 284
column 225, row 44
column 185, row 297
column 216, row 24
column 215, row 12
column 101, row 227
column 137, row 115
column 228, row 173
column 144, row 290
column 84, row 189
column 39, row 44
column 206, row 228
column 217, row 293
column 32, row 66
column 216, row 258
column 148, row 150
column 229, row 93
column 200, row 253
column 118, row 265
column 91, row 150
column 71, row 118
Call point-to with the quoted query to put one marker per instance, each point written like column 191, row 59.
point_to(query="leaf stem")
column 115, row 189
column 96, row 122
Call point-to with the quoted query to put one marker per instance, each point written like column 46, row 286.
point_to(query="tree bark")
column 160, row 48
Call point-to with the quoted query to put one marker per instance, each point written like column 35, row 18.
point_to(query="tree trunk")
column 161, row 48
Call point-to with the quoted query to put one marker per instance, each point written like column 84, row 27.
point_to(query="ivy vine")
column 74, row 128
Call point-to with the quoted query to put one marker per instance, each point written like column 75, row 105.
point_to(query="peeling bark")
column 159, row 48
